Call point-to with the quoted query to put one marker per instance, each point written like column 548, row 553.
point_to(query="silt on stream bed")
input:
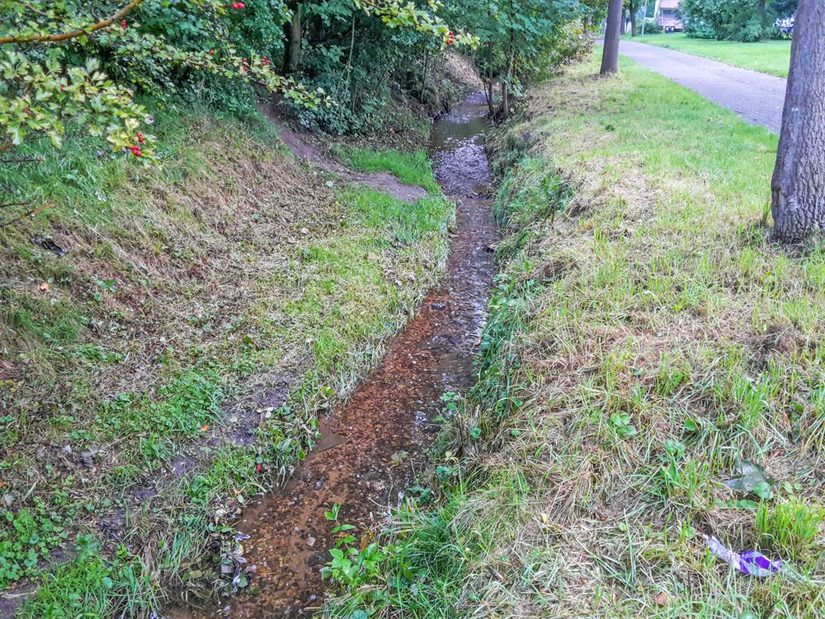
column 372, row 446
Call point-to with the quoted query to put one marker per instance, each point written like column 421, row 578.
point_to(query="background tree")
column 610, row 53
column 63, row 63
column 520, row 40
column 798, row 184
column 633, row 7
column 739, row 20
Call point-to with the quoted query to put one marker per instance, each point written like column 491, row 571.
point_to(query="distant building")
column 785, row 26
column 668, row 16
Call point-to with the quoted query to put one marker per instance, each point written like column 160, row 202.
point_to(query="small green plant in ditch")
column 791, row 525
column 622, row 426
column 26, row 537
column 350, row 566
column 450, row 402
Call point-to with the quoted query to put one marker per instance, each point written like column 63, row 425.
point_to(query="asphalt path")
column 756, row 97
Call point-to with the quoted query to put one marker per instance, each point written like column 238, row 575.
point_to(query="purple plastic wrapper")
column 752, row 563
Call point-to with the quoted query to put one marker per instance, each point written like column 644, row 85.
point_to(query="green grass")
column 186, row 288
column 410, row 168
column 642, row 347
column 773, row 57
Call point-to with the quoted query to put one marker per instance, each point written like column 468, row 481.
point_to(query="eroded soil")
column 306, row 149
column 373, row 445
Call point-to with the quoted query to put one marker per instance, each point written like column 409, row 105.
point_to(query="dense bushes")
column 64, row 63
column 70, row 67
column 737, row 20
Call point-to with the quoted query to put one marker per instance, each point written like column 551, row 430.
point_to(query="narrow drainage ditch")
column 373, row 446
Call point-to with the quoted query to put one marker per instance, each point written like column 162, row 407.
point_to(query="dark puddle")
column 373, row 446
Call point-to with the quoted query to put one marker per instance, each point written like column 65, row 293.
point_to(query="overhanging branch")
column 65, row 36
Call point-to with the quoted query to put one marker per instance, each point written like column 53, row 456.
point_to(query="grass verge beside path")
column 772, row 57
column 652, row 371
column 171, row 363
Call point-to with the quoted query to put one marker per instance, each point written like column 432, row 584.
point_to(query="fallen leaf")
column 44, row 287
column 204, row 428
column 753, row 480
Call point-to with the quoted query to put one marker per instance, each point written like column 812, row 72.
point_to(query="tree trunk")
column 633, row 12
column 505, row 101
column 424, row 79
column 798, row 184
column 610, row 54
column 292, row 49
column 763, row 13
column 644, row 18
column 505, row 85
column 351, row 51
column 490, row 83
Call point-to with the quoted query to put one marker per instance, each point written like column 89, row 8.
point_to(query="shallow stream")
column 373, row 446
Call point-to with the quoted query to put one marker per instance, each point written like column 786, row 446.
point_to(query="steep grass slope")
column 167, row 337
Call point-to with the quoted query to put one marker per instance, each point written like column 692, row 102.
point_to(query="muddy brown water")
column 374, row 445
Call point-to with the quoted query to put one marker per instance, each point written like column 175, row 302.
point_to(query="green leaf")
column 753, row 480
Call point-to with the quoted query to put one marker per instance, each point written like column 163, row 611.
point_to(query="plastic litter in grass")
column 751, row 562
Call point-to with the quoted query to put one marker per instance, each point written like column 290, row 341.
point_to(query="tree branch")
column 31, row 213
column 23, row 160
column 64, row 36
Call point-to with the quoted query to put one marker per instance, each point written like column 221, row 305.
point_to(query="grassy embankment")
column 644, row 345
column 773, row 57
column 172, row 363
column 413, row 169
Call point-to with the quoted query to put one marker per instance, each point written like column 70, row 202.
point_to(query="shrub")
column 651, row 27
column 737, row 20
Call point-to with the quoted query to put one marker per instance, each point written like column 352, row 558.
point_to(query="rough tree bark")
column 798, row 184
column 610, row 54
column 292, row 49
column 633, row 10
column 505, row 84
column 490, row 84
column 763, row 15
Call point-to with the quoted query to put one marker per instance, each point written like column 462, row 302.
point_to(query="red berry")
column 140, row 137
column 123, row 24
column 136, row 151
column 259, row 467
column 238, row 6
